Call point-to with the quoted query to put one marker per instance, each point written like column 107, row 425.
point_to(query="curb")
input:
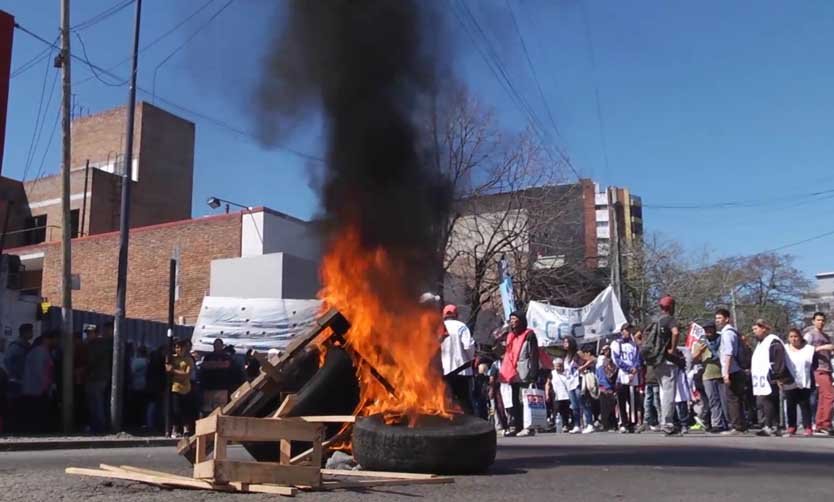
column 84, row 445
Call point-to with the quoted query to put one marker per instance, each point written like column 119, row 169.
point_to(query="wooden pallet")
column 252, row 398
column 223, row 429
column 333, row 479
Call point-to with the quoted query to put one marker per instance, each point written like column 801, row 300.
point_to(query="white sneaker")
column 654, row 428
column 526, row 432
column 623, row 429
column 589, row 429
column 576, row 430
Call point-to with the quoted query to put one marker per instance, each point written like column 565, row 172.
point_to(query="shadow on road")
column 514, row 459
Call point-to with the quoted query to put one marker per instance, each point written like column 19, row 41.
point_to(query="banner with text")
column 602, row 317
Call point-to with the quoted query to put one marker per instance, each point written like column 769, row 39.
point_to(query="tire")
column 332, row 390
column 466, row 445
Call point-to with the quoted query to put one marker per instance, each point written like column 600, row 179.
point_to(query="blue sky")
column 700, row 103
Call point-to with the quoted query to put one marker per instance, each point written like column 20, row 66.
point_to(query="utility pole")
column 67, row 387
column 124, row 228
column 614, row 250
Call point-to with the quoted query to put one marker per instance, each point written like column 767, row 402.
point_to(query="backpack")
column 528, row 359
column 743, row 355
column 653, row 349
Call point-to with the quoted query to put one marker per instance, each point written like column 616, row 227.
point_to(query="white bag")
column 507, row 395
column 535, row 408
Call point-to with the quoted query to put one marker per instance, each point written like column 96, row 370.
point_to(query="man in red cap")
column 457, row 352
column 663, row 363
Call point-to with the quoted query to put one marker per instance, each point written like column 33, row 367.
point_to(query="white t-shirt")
column 571, row 373
column 458, row 348
column 559, row 381
column 799, row 364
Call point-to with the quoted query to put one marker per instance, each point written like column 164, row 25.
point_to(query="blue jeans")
column 577, row 406
column 650, row 404
column 714, row 389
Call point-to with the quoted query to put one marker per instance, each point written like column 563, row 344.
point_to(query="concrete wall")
column 266, row 231
column 274, row 275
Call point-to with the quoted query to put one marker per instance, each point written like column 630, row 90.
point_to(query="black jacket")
column 779, row 371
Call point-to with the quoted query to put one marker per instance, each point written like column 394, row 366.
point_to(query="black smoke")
column 365, row 66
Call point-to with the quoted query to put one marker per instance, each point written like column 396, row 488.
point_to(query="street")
column 602, row 466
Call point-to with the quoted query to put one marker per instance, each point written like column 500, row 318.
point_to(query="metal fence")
column 151, row 334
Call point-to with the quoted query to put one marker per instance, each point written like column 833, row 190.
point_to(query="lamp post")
column 215, row 202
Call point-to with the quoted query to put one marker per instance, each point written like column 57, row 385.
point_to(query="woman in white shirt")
column 800, row 356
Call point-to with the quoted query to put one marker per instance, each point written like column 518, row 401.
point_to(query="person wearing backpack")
column 733, row 357
column 659, row 351
column 520, row 367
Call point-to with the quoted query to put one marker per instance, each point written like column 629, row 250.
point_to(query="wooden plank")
column 286, row 406
column 201, row 454
column 286, row 452
column 265, row 472
column 208, row 425
column 219, row 447
column 264, row 429
column 371, row 483
column 377, row 474
column 267, row 367
column 146, row 478
column 244, row 387
column 204, row 470
column 287, row 491
column 150, row 472
column 325, row 419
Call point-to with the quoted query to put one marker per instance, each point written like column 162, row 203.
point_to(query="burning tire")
column 466, row 445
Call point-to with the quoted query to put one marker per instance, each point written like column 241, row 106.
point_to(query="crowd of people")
column 30, row 382
column 650, row 378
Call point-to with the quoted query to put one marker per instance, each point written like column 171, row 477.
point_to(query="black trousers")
column 563, row 409
column 607, row 403
column 517, row 411
column 736, row 395
column 623, row 402
column 768, row 407
column 801, row 398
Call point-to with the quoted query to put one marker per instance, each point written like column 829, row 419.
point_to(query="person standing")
column 732, row 373
column 606, row 374
column 660, row 352
column 769, row 367
column 180, row 367
column 626, row 357
column 15, row 362
column 215, row 378
column 99, row 374
column 457, row 353
column 561, row 394
column 575, row 364
column 800, row 360
column 520, row 367
column 821, row 341
column 39, row 382
column 707, row 352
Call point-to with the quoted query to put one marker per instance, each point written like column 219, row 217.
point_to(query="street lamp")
column 215, row 202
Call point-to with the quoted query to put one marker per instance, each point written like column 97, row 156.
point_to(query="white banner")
column 257, row 323
column 602, row 317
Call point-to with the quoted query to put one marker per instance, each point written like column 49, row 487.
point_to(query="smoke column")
column 365, row 65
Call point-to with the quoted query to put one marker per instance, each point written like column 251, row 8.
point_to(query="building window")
column 74, row 223
column 37, row 229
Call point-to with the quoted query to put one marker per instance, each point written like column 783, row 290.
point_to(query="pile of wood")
column 247, row 420
column 217, row 472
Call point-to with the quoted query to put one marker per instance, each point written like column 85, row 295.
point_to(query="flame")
column 390, row 333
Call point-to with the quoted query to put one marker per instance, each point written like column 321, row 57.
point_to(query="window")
column 74, row 223
column 37, row 229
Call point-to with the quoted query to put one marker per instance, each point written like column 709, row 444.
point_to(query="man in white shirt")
column 457, row 353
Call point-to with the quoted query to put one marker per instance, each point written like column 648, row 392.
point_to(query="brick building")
column 247, row 242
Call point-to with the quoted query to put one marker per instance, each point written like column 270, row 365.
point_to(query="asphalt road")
column 596, row 467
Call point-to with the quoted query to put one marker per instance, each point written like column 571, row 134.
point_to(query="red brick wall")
column 95, row 258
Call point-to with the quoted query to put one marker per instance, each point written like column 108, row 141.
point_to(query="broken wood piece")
column 377, row 474
column 322, row 419
column 286, row 406
column 372, row 483
column 146, row 478
column 257, row 429
column 267, row 367
column 140, row 470
column 287, row 491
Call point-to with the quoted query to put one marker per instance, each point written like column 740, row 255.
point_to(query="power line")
column 23, row 68
column 589, row 38
column 797, row 243
column 40, row 117
column 745, row 204
column 496, row 66
column 217, row 122
column 155, row 41
column 92, row 69
column 101, row 16
column 187, row 40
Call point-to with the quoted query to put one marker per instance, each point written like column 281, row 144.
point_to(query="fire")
column 390, row 332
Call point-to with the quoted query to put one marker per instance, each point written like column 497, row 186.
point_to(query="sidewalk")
column 122, row 440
